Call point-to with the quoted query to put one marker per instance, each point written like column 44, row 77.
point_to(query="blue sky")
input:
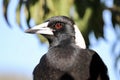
column 20, row 52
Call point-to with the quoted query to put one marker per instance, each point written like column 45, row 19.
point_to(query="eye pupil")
column 58, row 26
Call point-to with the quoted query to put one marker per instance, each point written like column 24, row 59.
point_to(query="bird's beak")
column 40, row 29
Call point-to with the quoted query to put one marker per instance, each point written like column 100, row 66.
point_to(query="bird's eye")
column 58, row 26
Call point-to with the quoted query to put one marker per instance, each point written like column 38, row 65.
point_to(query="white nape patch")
column 43, row 29
column 79, row 40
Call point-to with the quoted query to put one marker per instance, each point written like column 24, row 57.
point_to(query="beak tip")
column 27, row 31
column 30, row 31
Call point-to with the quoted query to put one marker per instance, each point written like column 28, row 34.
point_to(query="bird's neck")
column 63, row 40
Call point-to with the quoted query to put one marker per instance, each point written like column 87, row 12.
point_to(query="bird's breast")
column 62, row 58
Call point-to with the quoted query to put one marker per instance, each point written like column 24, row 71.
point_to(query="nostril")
column 66, row 76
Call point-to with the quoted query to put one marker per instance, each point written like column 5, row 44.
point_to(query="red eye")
column 58, row 26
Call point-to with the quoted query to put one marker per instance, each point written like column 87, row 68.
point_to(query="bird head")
column 59, row 27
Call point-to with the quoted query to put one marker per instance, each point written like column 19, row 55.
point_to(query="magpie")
column 67, row 57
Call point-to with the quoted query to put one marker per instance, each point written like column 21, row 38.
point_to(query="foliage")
column 86, row 13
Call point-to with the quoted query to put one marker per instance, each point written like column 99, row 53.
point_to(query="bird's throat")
column 62, row 40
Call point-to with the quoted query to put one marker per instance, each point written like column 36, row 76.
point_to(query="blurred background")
column 98, row 20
